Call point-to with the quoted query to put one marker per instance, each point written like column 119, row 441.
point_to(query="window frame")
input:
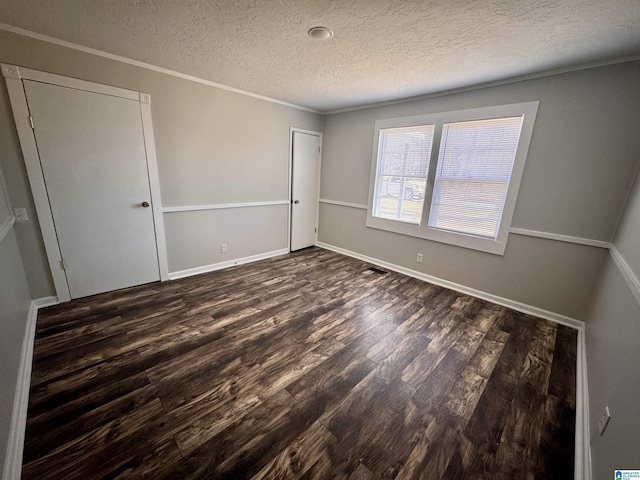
column 495, row 246
column 401, row 192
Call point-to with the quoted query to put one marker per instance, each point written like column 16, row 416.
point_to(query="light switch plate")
column 21, row 215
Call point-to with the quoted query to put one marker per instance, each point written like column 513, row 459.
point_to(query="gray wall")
column 14, row 307
column 613, row 354
column 582, row 157
column 213, row 146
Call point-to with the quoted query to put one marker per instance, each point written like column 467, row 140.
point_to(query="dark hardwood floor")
column 307, row 365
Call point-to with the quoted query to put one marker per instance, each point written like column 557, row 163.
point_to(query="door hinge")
column 62, row 265
column 318, row 149
column 31, row 122
column 315, row 230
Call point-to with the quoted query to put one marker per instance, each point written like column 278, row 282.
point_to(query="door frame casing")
column 293, row 130
column 14, row 76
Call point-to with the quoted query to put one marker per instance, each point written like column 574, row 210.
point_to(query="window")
column 404, row 163
column 451, row 177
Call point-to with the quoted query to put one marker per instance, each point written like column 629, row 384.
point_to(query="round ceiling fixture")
column 320, row 33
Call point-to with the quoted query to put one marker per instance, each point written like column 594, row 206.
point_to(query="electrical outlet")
column 419, row 258
column 603, row 423
column 21, row 215
column 223, row 248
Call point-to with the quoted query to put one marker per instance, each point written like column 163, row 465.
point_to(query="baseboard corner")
column 42, row 302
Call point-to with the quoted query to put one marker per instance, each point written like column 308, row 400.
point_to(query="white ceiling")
column 381, row 51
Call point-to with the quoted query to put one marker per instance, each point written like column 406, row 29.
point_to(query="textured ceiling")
column 382, row 50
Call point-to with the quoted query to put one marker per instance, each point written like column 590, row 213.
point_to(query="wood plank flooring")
column 307, row 365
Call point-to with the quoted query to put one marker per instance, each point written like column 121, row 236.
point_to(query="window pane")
column 401, row 180
column 474, row 168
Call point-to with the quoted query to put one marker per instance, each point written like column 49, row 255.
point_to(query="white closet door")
column 304, row 190
column 93, row 158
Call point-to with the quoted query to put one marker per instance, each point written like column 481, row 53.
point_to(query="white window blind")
column 474, row 168
column 467, row 195
column 403, row 166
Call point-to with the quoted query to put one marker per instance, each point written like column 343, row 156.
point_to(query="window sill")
column 487, row 245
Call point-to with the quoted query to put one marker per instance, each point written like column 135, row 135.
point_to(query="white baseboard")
column 490, row 297
column 13, row 461
column 45, row 302
column 219, row 266
column 582, row 468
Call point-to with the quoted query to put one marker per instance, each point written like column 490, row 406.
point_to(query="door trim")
column 293, row 130
column 17, row 96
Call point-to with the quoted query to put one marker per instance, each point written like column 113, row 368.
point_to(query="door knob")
column 296, row 201
column 145, row 204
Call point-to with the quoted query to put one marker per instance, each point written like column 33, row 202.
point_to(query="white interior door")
column 304, row 189
column 92, row 152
